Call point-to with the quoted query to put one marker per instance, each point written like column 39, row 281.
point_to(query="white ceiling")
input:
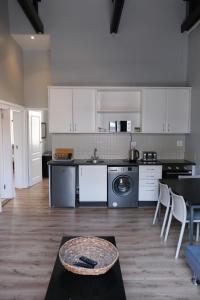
column 41, row 41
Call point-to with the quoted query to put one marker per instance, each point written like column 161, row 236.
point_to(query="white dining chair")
column 164, row 200
column 180, row 213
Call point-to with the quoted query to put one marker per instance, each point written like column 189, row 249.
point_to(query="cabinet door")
column 60, row 110
column 92, row 183
column 178, row 110
column 84, row 110
column 148, row 190
column 153, row 110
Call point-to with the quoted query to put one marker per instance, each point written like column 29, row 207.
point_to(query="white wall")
column 193, row 140
column 37, row 77
column 148, row 50
column 11, row 62
column 117, row 145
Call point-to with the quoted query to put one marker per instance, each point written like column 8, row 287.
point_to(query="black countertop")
column 117, row 162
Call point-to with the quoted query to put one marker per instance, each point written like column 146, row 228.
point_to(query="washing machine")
column 123, row 186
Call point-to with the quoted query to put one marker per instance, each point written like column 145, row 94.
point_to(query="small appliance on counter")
column 149, row 156
column 65, row 154
column 120, row 126
column 133, row 153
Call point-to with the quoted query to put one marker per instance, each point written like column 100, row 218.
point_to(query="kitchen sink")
column 95, row 161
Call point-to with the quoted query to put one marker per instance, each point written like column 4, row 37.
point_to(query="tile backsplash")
column 116, row 146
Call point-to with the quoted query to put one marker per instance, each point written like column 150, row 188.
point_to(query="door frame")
column 24, row 162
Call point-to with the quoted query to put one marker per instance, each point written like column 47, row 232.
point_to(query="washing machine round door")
column 122, row 185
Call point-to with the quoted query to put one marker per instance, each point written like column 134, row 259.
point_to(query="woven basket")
column 100, row 250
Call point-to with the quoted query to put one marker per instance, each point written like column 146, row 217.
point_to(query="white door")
column 20, row 158
column 35, row 153
column 153, row 110
column 6, row 162
column 84, row 110
column 178, row 110
column 92, row 183
column 60, row 110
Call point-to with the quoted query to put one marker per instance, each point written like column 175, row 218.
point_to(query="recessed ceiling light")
column 32, row 37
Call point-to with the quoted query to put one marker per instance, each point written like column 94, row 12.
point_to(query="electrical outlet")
column 177, row 143
column 180, row 143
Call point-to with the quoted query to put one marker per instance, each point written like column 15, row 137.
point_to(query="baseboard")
column 147, row 203
column 92, row 204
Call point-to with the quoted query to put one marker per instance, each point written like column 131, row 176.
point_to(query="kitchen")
column 161, row 112
column 150, row 56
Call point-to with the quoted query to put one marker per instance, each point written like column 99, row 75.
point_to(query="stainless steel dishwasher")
column 62, row 186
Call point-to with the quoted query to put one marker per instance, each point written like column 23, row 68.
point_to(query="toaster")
column 149, row 156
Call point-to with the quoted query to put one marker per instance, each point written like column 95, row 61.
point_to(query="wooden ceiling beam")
column 116, row 15
column 31, row 11
column 193, row 15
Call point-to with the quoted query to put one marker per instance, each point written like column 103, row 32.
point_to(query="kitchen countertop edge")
column 117, row 162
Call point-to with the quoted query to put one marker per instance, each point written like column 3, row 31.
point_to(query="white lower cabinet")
column 149, row 181
column 92, row 183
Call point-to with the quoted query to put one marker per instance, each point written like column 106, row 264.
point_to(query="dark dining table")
column 189, row 188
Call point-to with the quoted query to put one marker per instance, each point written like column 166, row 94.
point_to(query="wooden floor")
column 30, row 233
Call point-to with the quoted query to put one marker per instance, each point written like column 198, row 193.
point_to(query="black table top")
column 188, row 188
column 65, row 285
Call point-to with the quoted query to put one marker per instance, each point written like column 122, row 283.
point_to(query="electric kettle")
column 133, row 154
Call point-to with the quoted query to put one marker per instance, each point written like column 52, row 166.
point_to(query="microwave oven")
column 120, row 126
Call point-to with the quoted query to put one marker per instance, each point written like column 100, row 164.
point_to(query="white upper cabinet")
column 166, row 110
column 84, row 110
column 71, row 110
column 60, row 110
column 178, row 110
column 117, row 105
column 153, row 110
column 90, row 110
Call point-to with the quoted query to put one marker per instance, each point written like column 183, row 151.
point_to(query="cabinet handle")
column 168, row 127
column 81, row 171
column 163, row 127
column 75, row 127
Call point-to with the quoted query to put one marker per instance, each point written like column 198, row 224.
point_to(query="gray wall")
column 11, row 62
column 148, row 50
column 193, row 140
column 37, row 76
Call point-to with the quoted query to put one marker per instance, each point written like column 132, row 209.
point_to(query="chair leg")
column 180, row 240
column 197, row 233
column 156, row 212
column 168, row 226
column 164, row 221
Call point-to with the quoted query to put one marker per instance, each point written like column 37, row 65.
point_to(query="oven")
column 176, row 170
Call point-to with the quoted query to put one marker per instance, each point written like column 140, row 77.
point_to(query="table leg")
column 191, row 225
